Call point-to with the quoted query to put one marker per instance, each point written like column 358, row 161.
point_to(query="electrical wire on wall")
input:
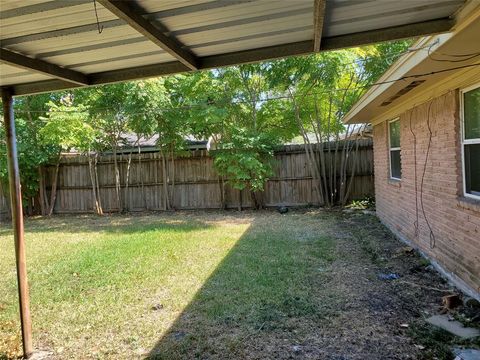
column 456, row 57
column 430, row 134
column 415, row 224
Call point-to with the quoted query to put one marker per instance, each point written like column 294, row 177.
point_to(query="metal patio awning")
column 52, row 45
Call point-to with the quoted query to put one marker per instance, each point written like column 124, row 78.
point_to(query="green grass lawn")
column 221, row 285
column 113, row 287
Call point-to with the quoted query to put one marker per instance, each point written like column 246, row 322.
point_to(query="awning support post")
column 17, row 220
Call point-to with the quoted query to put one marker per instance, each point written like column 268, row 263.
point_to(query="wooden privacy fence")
column 197, row 185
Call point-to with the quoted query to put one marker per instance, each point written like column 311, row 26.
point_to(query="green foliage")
column 366, row 203
column 32, row 151
column 31, row 154
column 379, row 57
column 229, row 105
column 142, row 97
column 245, row 159
column 66, row 126
column 247, row 110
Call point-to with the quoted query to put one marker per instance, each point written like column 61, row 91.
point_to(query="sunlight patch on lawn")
column 97, row 279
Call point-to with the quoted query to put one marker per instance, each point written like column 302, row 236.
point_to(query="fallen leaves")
column 10, row 345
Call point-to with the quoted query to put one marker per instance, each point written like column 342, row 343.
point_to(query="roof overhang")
column 54, row 45
column 424, row 74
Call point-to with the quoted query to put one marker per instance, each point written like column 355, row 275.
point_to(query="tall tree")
column 106, row 107
column 66, row 127
column 33, row 154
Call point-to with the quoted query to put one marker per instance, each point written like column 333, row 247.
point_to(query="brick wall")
column 454, row 220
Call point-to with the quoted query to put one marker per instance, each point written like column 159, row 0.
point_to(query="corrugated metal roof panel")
column 13, row 75
column 8, row 5
column 136, row 49
column 259, row 41
column 154, row 5
column 76, row 41
column 364, row 24
column 74, row 15
column 65, row 33
column 344, row 17
column 240, row 12
column 232, row 32
column 123, row 62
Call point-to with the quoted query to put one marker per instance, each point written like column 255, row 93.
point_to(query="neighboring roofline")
column 464, row 17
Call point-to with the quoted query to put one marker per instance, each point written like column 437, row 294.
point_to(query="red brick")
column 456, row 227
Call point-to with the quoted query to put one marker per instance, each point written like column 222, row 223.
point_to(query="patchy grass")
column 94, row 281
column 253, row 285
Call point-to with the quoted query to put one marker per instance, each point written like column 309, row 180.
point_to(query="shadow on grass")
column 121, row 224
column 261, row 297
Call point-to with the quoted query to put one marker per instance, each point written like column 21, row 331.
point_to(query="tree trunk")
column 166, row 202
column 97, row 183
column 91, row 170
column 320, row 148
column 41, row 191
column 36, row 204
column 30, row 206
column 257, row 200
column 221, row 183
column 127, row 182
column 346, row 193
column 117, row 179
column 312, row 163
column 239, row 200
column 139, row 175
column 172, row 193
column 53, row 194
column 8, row 214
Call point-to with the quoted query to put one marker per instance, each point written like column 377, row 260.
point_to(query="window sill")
column 468, row 203
column 395, row 182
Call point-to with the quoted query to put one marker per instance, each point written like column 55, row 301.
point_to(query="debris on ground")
column 179, row 335
column 450, row 302
column 282, row 209
column 365, row 204
column 157, row 307
column 470, row 312
column 296, row 348
column 389, row 276
column 41, row 355
column 471, row 302
column 10, row 343
column 141, row 352
column 405, row 250
column 466, row 354
column 454, row 327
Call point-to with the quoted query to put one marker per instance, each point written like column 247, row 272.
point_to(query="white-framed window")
column 394, row 149
column 470, row 124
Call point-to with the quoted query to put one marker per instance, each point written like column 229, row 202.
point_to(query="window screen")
column 394, row 147
column 471, row 141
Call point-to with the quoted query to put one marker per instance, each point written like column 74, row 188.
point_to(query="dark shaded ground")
column 346, row 311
